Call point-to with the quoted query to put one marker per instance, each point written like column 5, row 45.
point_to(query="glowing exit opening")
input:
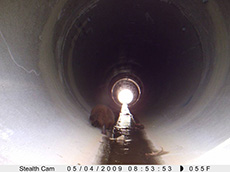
column 125, row 96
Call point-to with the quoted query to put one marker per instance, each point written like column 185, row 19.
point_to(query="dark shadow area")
column 152, row 37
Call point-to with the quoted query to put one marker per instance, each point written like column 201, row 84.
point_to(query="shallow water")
column 130, row 149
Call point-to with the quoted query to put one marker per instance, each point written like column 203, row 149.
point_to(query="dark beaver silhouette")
column 102, row 117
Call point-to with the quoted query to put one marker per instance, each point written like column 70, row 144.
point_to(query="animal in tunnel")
column 102, row 117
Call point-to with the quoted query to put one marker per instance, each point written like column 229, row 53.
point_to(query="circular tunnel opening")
column 125, row 91
column 59, row 59
column 152, row 43
column 151, row 40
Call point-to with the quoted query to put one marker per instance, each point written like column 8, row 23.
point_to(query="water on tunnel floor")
column 134, row 149
column 129, row 146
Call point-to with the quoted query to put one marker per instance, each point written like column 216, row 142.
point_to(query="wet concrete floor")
column 130, row 147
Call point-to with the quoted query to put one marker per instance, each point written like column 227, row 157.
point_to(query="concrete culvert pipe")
column 59, row 56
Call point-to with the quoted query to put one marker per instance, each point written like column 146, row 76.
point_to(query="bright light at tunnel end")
column 125, row 96
column 125, row 91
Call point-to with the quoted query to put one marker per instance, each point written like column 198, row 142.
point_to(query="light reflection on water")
column 128, row 143
column 131, row 148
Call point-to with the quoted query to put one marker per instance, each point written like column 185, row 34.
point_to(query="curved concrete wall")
column 42, row 123
column 202, row 127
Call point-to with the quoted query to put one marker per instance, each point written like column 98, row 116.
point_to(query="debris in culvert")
column 131, row 147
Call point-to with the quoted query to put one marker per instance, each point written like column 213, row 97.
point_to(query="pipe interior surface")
column 58, row 58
